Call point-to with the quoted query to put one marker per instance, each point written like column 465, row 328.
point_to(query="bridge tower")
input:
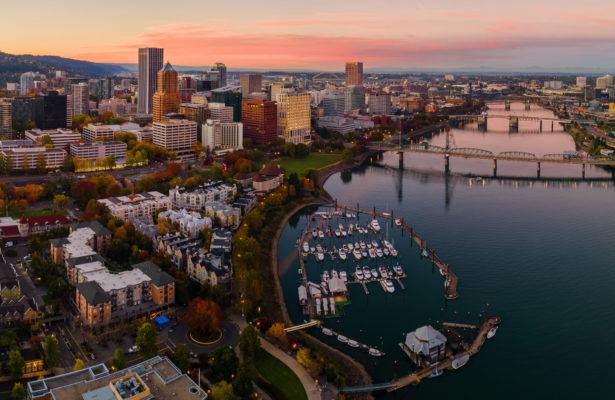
column 513, row 124
column 495, row 167
column 400, row 152
column 527, row 106
column 446, row 150
column 482, row 122
column 540, row 125
column 506, row 105
column 538, row 170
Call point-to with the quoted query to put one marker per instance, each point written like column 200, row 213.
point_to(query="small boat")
column 375, row 225
column 342, row 338
column 383, row 271
column 374, row 243
column 492, row 332
column 318, row 247
column 351, row 227
column 372, row 253
column 325, row 276
column 364, row 254
column 320, row 256
column 314, row 233
column 344, row 276
column 398, row 270
column 344, row 233
column 350, row 246
column 387, row 244
column 357, row 254
column 306, row 247
column 379, row 252
column 342, row 254
column 318, row 306
column 443, row 273
column 321, row 235
column 348, row 215
column 313, row 249
column 436, row 374
column 357, row 245
column 327, row 331
column 460, row 362
column 358, row 273
column 389, row 286
column 386, row 214
column 352, row 343
column 362, row 244
column 375, row 352
column 397, row 221
column 393, row 252
column 366, row 273
column 374, row 273
column 334, row 274
column 386, row 251
column 338, row 233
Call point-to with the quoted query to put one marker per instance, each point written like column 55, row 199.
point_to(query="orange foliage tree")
column 203, row 317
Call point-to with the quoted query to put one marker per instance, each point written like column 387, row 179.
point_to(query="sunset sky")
column 320, row 34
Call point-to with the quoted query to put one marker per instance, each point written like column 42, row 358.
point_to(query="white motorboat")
column 372, row 253
column 327, row 331
column 344, row 233
column 314, row 233
column 358, row 273
column 387, row 244
column 357, row 254
column 366, row 273
column 321, row 235
column 338, row 233
column 353, row 343
column 334, row 274
column 374, row 273
column 340, row 227
column 348, row 215
column 398, row 270
column 383, row 271
column 325, row 276
column 318, row 247
column 492, row 332
column 397, row 221
column 393, row 252
column 379, row 252
column 364, row 254
column 350, row 246
column 389, row 286
column 357, row 245
column 342, row 338
column 443, row 273
column 375, row 352
column 375, row 225
column 320, row 257
column 386, row 251
column 460, row 362
column 306, row 247
column 374, row 243
column 344, row 276
column 342, row 254
column 313, row 249
column 363, row 246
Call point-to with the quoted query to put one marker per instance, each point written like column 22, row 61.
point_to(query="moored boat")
column 357, row 254
column 372, row 253
column 375, row 225
column 353, row 343
column 375, row 352
column 389, row 286
column 342, row 254
column 358, row 273
column 460, row 362
column 374, row 273
column 306, row 247
column 344, row 276
column 327, row 331
column 397, row 221
column 342, row 338
column 492, row 332
column 366, row 273
column 321, row 235
column 379, row 252
column 320, row 256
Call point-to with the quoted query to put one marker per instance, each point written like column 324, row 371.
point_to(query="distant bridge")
column 521, row 118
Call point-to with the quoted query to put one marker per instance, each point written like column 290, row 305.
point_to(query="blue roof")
column 161, row 320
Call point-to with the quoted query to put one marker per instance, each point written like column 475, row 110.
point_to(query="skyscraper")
column 81, row 99
column 6, row 121
column 294, row 117
column 333, row 105
column 355, row 98
column 150, row 62
column 260, row 120
column 220, row 67
column 26, row 82
column 230, row 96
column 176, row 135
column 167, row 98
column 250, row 83
column 354, row 73
column 54, row 110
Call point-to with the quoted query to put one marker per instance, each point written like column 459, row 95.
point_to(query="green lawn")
column 314, row 160
column 279, row 376
column 36, row 213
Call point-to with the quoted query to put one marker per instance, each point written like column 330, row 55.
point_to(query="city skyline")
column 416, row 34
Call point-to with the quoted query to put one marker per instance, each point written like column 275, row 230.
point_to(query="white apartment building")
column 100, row 150
column 18, row 156
column 92, row 132
column 80, row 98
column 59, row 137
column 137, row 205
column 190, row 222
column 223, row 137
column 176, row 135
column 220, row 112
column 294, row 117
column 197, row 198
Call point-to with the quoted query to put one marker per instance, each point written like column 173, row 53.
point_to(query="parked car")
column 133, row 349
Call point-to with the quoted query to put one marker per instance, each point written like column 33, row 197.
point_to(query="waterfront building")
column 250, row 83
column 354, row 98
column 100, row 150
column 268, row 178
column 80, row 99
column 96, row 131
column 176, row 135
column 137, row 205
column 260, row 120
column 196, row 199
column 230, row 96
column 6, row 119
column 425, row 345
column 333, row 105
column 156, row 378
column 223, row 137
column 26, row 157
column 294, row 117
column 380, row 103
column 150, row 62
column 221, row 69
column 354, row 74
column 60, row 137
column 167, row 97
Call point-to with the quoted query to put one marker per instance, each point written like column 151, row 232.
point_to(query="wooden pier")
column 416, row 377
column 450, row 288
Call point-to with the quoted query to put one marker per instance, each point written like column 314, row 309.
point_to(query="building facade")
column 380, row 103
column 6, row 119
column 197, row 198
column 333, row 105
column 230, row 96
column 81, row 99
column 150, row 62
column 221, row 69
column 60, row 137
column 354, row 74
column 137, row 205
column 92, row 132
column 294, row 117
column 176, row 135
column 26, row 157
column 100, row 151
column 250, row 83
column 354, row 98
column 167, row 98
column 260, row 120
column 223, row 137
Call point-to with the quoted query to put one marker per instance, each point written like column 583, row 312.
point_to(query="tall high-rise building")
column 54, row 110
column 198, row 113
column 6, row 120
column 581, row 81
column 250, row 83
column 28, row 108
column 220, row 112
column 230, row 96
column 81, row 98
column 604, row 82
column 379, row 103
column 355, row 98
column 294, row 117
column 260, row 120
column 333, row 105
column 221, row 68
column 210, row 80
column 167, row 98
column 150, row 62
column 354, row 73
column 176, row 135
column 26, row 82
column 223, row 136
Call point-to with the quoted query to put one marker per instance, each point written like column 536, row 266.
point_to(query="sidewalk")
column 310, row 386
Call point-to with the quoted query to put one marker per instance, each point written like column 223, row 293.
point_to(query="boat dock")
column 352, row 343
column 450, row 285
column 477, row 344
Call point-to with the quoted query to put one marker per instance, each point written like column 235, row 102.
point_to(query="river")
column 536, row 251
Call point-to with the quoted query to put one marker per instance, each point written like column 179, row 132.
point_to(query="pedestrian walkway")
column 310, row 386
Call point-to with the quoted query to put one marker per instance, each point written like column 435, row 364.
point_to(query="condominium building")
column 379, row 103
column 137, row 205
column 150, row 62
column 80, row 98
column 6, row 119
column 26, row 157
column 92, row 132
column 355, row 98
column 60, row 137
column 223, row 137
column 220, row 112
column 196, row 199
column 190, row 223
column 26, row 82
column 260, row 120
column 221, row 68
column 176, row 135
column 117, row 106
column 354, row 73
column 250, row 83
column 333, row 105
column 167, row 98
column 294, row 117
column 100, row 150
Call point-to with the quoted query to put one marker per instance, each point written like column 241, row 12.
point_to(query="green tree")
column 224, row 363
column 242, row 385
column 15, row 364
column 181, row 357
column 52, row 352
column 26, row 163
column 118, row 361
column 67, row 164
column 46, row 140
column 18, row 392
column 347, row 156
column 110, row 161
column 60, row 201
column 249, row 343
column 10, row 165
column 147, row 340
column 79, row 365
column 41, row 163
column 222, row 391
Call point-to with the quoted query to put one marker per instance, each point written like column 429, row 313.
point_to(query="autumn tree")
column 60, row 201
column 203, row 317
column 18, row 392
column 46, row 140
column 52, row 352
column 41, row 163
column 79, row 365
column 222, row 391
column 276, row 332
column 249, row 343
column 15, row 364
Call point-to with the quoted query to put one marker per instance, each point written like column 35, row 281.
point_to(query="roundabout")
column 195, row 339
